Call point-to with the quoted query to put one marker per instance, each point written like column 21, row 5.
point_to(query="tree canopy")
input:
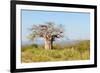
column 48, row 30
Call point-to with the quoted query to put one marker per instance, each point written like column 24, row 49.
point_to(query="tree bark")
column 48, row 44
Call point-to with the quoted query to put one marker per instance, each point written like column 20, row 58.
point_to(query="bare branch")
column 48, row 30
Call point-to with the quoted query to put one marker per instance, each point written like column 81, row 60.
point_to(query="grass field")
column 35, row 53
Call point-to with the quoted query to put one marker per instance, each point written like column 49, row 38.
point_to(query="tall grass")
column 35, row 53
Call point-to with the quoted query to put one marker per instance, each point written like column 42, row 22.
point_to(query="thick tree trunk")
column 48, row 44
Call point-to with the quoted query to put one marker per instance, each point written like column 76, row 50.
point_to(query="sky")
column 76, row 25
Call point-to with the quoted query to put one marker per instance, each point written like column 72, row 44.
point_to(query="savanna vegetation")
column 37, row 53
column 48, row 31
column 51, row 51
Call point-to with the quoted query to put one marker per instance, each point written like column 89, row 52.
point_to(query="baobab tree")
column 48, row 31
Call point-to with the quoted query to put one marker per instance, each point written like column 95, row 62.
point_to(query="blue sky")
column 76, row 25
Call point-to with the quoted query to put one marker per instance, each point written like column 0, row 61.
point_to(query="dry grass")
column 33, row 53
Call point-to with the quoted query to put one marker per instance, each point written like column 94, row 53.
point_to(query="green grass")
column 34, row 53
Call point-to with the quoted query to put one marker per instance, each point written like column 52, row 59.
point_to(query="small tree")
column 49, row 31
